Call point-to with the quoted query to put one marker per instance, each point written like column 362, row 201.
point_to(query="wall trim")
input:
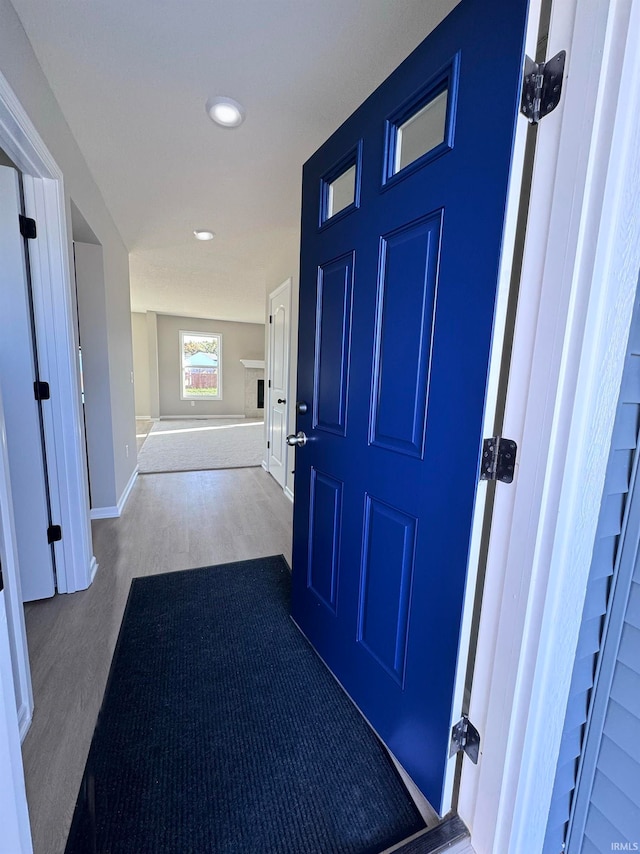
column 22, row 694
column 289, row 493
column 127, row 490
column 93, row 570
column 115, row 512
column 105, row 513
column 25, row 716
column 14, row 813
column 20, row 139
column 199, row 417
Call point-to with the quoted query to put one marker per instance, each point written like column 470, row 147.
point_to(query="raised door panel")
column 332, row 344
column 407, row 281
column 385, row 587
column 280, row 344
column 325, row 522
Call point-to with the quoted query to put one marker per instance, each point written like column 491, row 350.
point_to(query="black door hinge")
column 465, row 737
column 498, row 459
column 270, row 318
column 54, row 534
column 41, row 390
column 269, row 386
column 542, row 86
column 268, row 445
column 28, row 227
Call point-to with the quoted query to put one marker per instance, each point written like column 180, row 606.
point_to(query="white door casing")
column 19, row 659
column 22, row 420
column 580, row 270
column 278, row 381
column 54, row 310
column 14, row 816
column 49, row 256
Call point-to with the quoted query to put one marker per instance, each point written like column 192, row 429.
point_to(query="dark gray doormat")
column 221, row 731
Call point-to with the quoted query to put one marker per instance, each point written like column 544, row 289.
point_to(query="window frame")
column 352, row 158
column 445, row 80
column 199, row 334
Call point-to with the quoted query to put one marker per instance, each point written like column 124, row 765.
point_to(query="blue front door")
column 402, row 227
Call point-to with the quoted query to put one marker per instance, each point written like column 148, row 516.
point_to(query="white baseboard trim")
column 114, row 512
column 289, row 493
column 93, row 568
column 25, row 717
column 127, row 490
column 201, row 416
column 104, row 513
column 265, row 466
column 144, row 418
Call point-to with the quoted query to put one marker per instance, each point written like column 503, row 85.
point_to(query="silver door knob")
column 298, row 439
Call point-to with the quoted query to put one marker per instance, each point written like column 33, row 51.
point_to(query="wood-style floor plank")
column 171, row 522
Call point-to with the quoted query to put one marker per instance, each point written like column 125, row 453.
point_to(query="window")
column 340, row 187
column 421, row 132
column 422, row 128
column 342, row 192
column 201, row 366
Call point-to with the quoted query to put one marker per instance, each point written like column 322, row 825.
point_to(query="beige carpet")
column 199, row 444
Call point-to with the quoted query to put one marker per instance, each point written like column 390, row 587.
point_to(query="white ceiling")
column 132, row 78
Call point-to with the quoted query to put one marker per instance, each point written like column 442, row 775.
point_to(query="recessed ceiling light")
column 204, row 235
column 225, row 111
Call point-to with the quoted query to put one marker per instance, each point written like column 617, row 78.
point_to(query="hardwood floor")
column 171, row 522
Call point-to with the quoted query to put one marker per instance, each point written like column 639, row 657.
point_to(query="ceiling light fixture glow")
column 225, row 111
column 204, row 235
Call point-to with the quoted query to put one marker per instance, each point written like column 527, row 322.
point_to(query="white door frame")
column 55, row 328
column 14, row 816
column 54, row 313
column 19, row 662
column 582, row 256
column 53, row 306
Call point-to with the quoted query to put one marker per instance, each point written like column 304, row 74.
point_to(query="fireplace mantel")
column 253, row 363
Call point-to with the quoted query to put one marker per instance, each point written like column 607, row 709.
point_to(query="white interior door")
column 21, row 413
column 279, row 335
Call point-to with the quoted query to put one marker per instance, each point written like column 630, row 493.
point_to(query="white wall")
column 239, row 341
column 141, row 371
column 20, row 66
column 95, row 361
column 154, row 382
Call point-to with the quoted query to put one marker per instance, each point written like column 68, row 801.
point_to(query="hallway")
column 171, row 522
